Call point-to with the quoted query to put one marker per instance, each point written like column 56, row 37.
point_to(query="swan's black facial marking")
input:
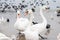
column 48, row 26
column 8, row 20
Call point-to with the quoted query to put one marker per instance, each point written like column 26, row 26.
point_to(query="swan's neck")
column 44, row 19
column 31, row 18
column 18, row 16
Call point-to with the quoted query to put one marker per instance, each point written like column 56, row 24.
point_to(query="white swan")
column 32, row 31
column 4, row 37
column 22, row 23
column 58, row 36
column 31, row 16
column 40, row 26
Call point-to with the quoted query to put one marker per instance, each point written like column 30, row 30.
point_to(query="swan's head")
column 18, row 13
column 45, row 8
column 28, row 12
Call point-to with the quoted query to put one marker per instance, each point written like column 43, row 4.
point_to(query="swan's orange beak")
column 26, row 13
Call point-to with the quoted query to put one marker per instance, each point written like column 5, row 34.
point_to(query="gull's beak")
column 26, row 13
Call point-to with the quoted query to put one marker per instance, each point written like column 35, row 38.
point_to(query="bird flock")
column 27, row 28
column 32, row 32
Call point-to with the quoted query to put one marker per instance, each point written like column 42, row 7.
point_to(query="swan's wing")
column 37, row 27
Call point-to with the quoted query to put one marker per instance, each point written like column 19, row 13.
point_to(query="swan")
column 4, row 37
column 22, row 23
column 40, row 26
column 32, row 31
column 31, row 15
column 58, row 36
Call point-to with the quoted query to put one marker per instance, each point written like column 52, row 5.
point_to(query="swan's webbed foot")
column 42, row 37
